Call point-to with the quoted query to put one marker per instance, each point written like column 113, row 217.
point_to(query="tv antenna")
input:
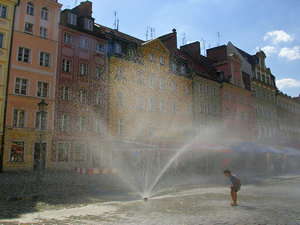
column 75, row 2
column 116, row 23
column 218, row 35
column 183, row 39
column 150, row 30
column 203, row 46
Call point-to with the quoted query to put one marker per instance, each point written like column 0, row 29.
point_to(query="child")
column 235, row 186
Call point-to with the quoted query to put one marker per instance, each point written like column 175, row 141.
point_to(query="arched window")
column 45, row 13
column 30, row 8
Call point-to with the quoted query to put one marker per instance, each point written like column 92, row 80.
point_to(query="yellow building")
column 7, row 10
column 150, row 95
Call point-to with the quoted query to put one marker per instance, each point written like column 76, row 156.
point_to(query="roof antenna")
column 116, row 23
column 203, row 46
column 183, row 39
column 75, row 2
column 218, row 35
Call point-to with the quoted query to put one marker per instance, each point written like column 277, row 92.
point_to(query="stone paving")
column 273, row 201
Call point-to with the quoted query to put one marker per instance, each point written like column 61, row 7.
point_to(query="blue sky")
column 270, row 25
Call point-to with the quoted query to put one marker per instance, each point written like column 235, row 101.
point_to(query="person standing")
column 235, row 186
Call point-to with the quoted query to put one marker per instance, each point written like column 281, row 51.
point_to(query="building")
column 81, row 112
column 207, row 105
column 288, row 112
column 31, row 78
column 7, row 12
column 236, row 94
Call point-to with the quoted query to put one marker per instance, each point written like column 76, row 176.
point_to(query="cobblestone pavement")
column 273, row 201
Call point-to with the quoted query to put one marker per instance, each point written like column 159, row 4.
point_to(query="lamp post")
column 42, row 110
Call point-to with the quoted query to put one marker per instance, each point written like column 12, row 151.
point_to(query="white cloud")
column 287, row 83
column 269, row 49
column 277, row 36
column 290, row 53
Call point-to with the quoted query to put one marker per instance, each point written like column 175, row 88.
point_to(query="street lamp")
column 42, row 110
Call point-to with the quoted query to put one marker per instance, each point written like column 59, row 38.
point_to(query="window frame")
column 67, row 65
column 43, row 32
column 22, row 57
column 72, row 19
column 83, row 69
column 30, row 9
column 43, row 59
column 40, row 89
column 26, row 30
column 66, row 35
column 5, row 11
column 23, row 151
column 66, row 151
column 45, row 13
column 17, row 122
column 21, row 85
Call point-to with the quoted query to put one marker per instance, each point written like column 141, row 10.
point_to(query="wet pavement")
column 274, row 200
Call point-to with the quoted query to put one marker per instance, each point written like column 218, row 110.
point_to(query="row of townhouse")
column 105, row 91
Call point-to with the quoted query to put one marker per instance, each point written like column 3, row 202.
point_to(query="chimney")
column 193, row 49
column 170, row 40
column 85, row 9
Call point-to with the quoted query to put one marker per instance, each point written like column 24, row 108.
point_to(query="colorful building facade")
column 81, row 112
column 31, row 78
column 7, row 12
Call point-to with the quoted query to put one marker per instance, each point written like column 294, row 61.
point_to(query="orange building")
column 31, row 79
column 150, row 94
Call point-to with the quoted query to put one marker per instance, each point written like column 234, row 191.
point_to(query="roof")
column 119, row 34
column 250, row 58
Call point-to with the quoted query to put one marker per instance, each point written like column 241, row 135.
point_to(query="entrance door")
column 39, row 161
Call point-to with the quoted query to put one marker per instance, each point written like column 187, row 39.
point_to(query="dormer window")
column 88, row 24
column 72, row 19
column 117, row 48
column 100, row 48
column 45, row 13
column 30, row 8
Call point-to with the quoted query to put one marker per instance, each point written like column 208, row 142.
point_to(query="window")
column 151, row 80
column 117, row 48
column 208, row 90
column 120, row 126
column 65, row 93
column 151, row 57
column 43, row 32
column 100, row 48
column 21, row 86
column 120, row 73
column 235, row 113
column 82, row 96
column 200, row 89
column 45, row 13
column 79, row 152
column 81, row 123
column 28, row 28
column 83, row 69
column 98, row 125
column 120, row 99
column 140, row 79
column 173, row 67
column 151, row 104
column 249, row 116
column 161, row 60
column 63, row 122
column 3, row 11
column 63, row 151
column 233, row 96
column 227, row 113
column 174, row 86
column 226, row 95
column 242, row 115
column 182, row 70
column 98, row 73
column 1, row 40
column 248, row 100
column 30, row 8
column 187, row 89
column 41, row 120
column 43, row 89
column 188, row 110
column 72, row 19
column 24, row 55
column 98, row 98
column 202, row 107
column 241, row 99
column 18, row 118
column 161, row 83
column 17, row 151
column 174, row 108
column 68, row 38
column 84, row 43
column 88, row 24
column 66, row 65
column 44, row 59
column 140, row 103
column 162, row 106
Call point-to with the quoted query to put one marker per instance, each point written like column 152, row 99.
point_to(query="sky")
column 270, row 25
